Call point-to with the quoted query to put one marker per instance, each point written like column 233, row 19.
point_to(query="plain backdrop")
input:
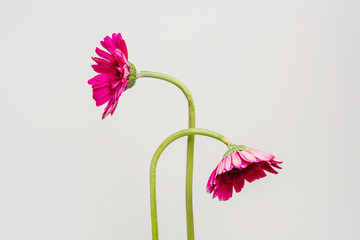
column 281, row 76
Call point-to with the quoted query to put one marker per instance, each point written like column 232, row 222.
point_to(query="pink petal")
column 100, row 92
column 114, row 106
column 101, row 97
column 254, row 172
column 210, row 186
column 236, row 161
column 104, row 69
column 103, row 100
column 95, row 79
column 100, row 85
column 239, row 183
column 227, row 162
column 120, row 57
column 108, row 108
column 244, row 164
column 124, row 48
column 275, row 165
column 220, row 167
column 261, row 155
column 245, row 155
column 224, row 192
column 106, row 64
column 102, row 80
column 109, row 44
column 266, row 166
column 121, row 90
column 276, row 160
column 100, row 60
column 104, row 54
column 116, row 40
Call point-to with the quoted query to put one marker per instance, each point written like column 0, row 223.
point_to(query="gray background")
column 280, row 76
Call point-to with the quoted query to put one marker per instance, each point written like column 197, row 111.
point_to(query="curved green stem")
column 190, row 145
column 161, row 148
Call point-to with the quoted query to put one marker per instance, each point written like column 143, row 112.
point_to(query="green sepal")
column 132, row 76
column 235, row 148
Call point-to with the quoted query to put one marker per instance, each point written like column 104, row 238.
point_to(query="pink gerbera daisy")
column 116, row 73
column 240, row 163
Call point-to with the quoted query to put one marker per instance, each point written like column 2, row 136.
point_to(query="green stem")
column 190, row 145
column 161, row 148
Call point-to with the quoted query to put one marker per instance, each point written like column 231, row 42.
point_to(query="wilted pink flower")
column 114, row 71
column 240, row 163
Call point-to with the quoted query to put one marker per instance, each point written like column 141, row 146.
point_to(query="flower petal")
column 239, row 183
column 221, row 167
column 102, row 95
column 103, row 100
column 108, row 108
column 124, row 48
column 120, row 90
column 245, row 155
column 236, row 160
column 120, row 57
column 276, row 160
column 116, row 40
column 227, row 162
column 244, row 164
column 104, row 54
column 275, row 165
column 100, row 60
column 261, row 155
column 109, row 45
column 254, row 172
column 104, row 69
column 210, row 186
column 266, row 166
column 224, row 192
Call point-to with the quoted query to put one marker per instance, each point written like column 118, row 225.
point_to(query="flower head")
column 116, row 73
column 240, row 163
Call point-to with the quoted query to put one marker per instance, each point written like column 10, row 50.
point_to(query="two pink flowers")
column 116, row 74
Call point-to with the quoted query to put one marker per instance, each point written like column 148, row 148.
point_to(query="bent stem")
column 190, row 145
column 161, row 148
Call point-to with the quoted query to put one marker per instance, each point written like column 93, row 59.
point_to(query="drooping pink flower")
column 240, row 163
column 114, row 70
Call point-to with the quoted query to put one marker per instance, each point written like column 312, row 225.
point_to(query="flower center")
column 229, row 176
